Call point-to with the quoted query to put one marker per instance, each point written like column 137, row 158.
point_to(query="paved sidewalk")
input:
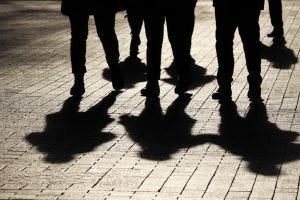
column 118, row 145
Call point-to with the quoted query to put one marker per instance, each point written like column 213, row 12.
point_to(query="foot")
column 151, row 89
column 222, row 95
column 254, row 95
column 276, row 33
column 77, row 89
column 182, row 87
column 116, row 78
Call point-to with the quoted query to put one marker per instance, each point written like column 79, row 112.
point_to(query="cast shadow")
column 132, row 72
column 279, row 55
column 161, row 135
column 197, row 74
column 259, row 142
column 69, row 132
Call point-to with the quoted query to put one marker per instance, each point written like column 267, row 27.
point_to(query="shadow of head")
column 158, row 134
column 279, row 55
column 69, row 132
column 259, row 142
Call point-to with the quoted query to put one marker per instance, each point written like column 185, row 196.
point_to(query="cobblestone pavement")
column 119, row 146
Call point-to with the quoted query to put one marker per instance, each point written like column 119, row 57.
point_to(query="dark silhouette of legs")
column 249, row 32
column 228, row 18
column 135, row 20
column 79, row 33
column 275, row 9
column 105, row 23
column 154, row 27
column 225, row 29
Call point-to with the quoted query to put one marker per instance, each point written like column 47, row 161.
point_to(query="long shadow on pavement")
column 279, row 55
column 197, row 74
column 160, row 135
column 259, row 142
column 69, row 132
column 132, row 72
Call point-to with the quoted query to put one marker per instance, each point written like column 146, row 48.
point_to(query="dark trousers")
column 180, row 24
column 228, row 19
column 135, row 20
column 105, row 23
column 275, row 9
column 154, row 28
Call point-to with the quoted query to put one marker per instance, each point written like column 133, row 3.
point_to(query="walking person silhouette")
column 243, row 15
column 180, row 19
column 104, row 15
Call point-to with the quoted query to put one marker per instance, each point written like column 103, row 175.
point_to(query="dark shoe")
column 116, row 78
column 222, row 95
column 278, row 32
column 182, row 87
column 151, row 89
column 134, row 46
column 77, row 89
column 254, row 95
column 132, row 60
column 279, row 41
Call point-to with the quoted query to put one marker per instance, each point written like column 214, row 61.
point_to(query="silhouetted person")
column 275, row 10
column 104, row 15
column 180, row 20
column 135, row 20
column 244, row 15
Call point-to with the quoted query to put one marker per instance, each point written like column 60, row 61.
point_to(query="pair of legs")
column 180, row 28
column 105, row 22
column 228, row 19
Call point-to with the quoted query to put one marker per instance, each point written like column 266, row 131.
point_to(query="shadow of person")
column 197, row 74
column 160, row 135
column 69, row 132
column 259, row 142
column 133, row 71
column 279, row 55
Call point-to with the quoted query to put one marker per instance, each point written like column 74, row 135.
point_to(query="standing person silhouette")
column 180, row 24
column 275, row 9
column 104, row 15
column 244, row 15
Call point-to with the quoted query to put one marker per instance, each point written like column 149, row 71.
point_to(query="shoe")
column 116, row 78
column 278, row 32
column 77, row 90
column 151, row 89
column 254, row 95
column 134, row 46
column 221, row 94
column 182, row 87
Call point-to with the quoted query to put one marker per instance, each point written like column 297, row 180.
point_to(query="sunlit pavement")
column 111, row 145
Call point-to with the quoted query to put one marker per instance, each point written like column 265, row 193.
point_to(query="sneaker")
column 151, row 89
